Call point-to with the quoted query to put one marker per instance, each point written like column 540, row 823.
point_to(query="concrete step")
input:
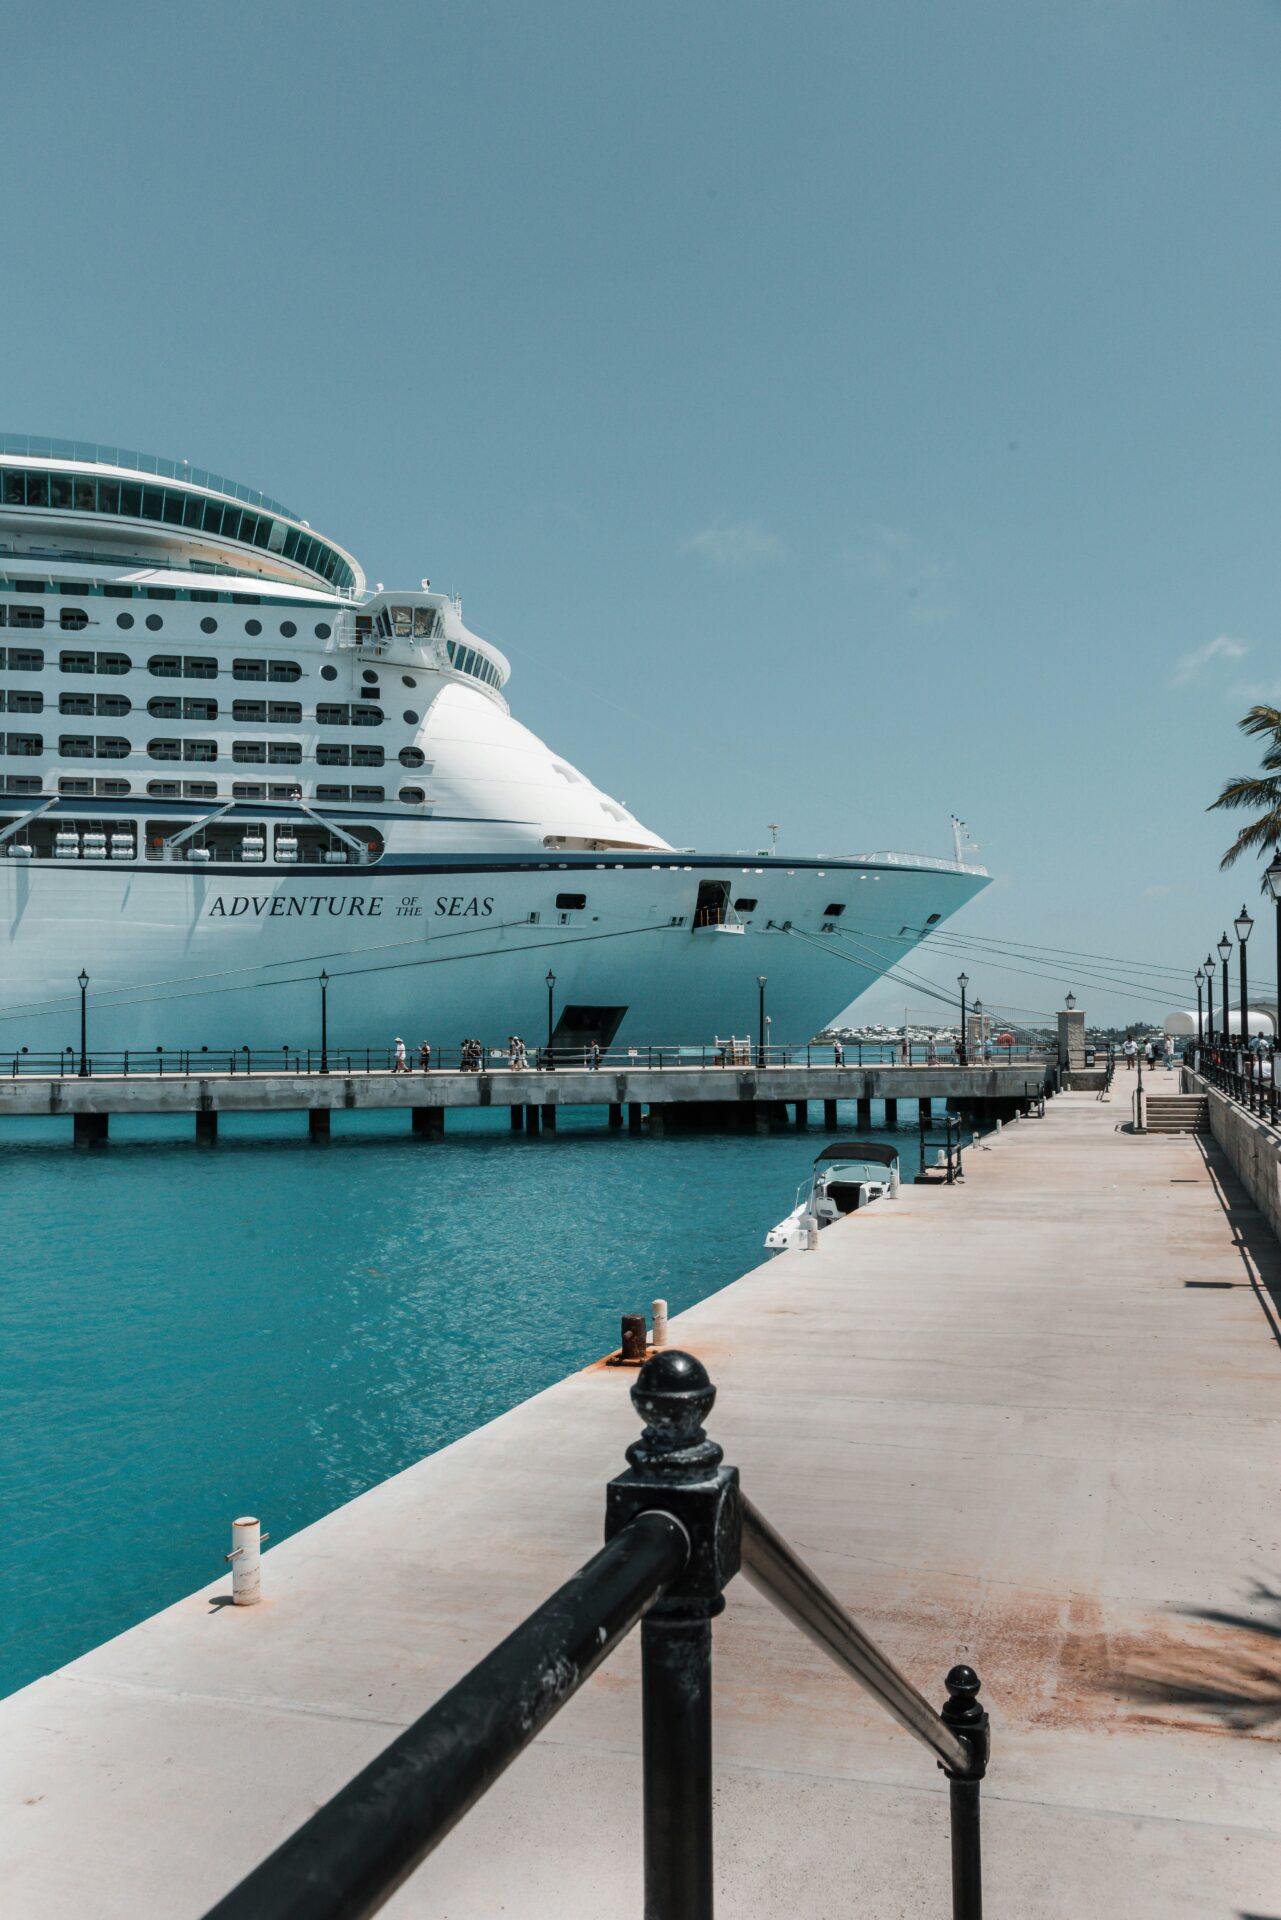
column 1176, row 1113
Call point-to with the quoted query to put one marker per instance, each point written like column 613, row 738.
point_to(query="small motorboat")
column 847, row 1175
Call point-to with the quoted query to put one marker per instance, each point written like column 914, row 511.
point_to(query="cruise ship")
column 229, row 767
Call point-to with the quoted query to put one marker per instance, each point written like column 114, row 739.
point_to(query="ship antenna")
column 773, row 834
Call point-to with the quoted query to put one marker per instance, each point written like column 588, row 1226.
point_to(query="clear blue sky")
column 842, row 414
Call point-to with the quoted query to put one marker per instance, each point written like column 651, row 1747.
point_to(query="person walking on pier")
column 1131, row 1052
column 593, row 1059
column 838, row 1053
column 931, row 1052
column 424, row 1056
column 401, row 1061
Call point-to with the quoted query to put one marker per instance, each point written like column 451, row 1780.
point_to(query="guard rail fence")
column 678, row 1528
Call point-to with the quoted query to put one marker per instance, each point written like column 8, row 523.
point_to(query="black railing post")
column 676, row 1469
column 968, row 1721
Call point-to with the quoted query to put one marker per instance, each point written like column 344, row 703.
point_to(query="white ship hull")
column 183, row 958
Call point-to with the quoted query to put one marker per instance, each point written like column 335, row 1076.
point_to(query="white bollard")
column 246, row 1561
column 658, row 1313
column 808, row 1224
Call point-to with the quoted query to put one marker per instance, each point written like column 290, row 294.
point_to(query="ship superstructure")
column 226, row 764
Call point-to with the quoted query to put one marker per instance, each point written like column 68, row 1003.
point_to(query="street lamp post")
column 1243, row 924
column 1272, row 880
column 324, row 1021
column 978, row 1015
column 551, row 1014
column 963, row 981
column 1209, row 1001
column 761, row 978
column 1225, row 948
column 84, row 1063
column 1199, row 977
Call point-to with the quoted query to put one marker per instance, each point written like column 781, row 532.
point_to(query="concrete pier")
column 1031, row 1422
column 690, row 1096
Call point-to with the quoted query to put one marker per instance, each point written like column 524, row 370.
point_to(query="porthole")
column 412, row 796
column 370, row 679
column 411, row 718
column 407, row 680
column 154, row 622
column 323, row 630
column 411, row 757
column 124, row 619
column 208, row 626
column 254, row 627
column 329, row 673
column 288, row 628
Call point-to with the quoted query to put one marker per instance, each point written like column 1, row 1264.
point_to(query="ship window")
column 163, row 789
column 329, row 755
column 193, row 508
column 74, row 787
column 37, row 489
column 114, row 663
column 834, row 909
column 114, row 705
column 333, row 793
column 200, row 593
column 163, row 707
column 366, row 716
column 111, row 747
column 111, row 789
column 23, row 783
column 323, row 630
column 162, row 593
column 154, row 622
column 22, row 659
column 76, row 662
column 410, row 757
column 284, row 753
column 24, row 700
column 73, row 746
column 200, row 667
column 24, row 743
column 83, row 492
column 165, row 666
column 331, row 714
column 73, row 619
column 283, row 670
column 366, row 756
column 249, row 752
column 933, row 918
column 412, row 796
column 200, row 749
column 26, row 616
column 75, row 703
column 247, row 790
column 245, row 710
column 114, row 591
column 424, row 620
column 199, row 790
column 59, row 490
column 164, row 749
column 368, row 793
column 571, row 902
column 200, row 709
column 410, row 717
column 208, row 625
column 745, row 905
column 15, row 487
column 123, row 619
column 329, row 673
column 249, row 669
column 369, row 677
column 253, row 627
column 288, row 628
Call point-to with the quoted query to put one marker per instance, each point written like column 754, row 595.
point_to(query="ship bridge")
column 76, row 499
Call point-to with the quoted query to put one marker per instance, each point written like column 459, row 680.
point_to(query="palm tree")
column 1261, row 792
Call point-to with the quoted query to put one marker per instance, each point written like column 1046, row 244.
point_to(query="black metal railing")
column 335, row 1059
column 678, row 1529
column 1245, row 1077
column 945, row 1135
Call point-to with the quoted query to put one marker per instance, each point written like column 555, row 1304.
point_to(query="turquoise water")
column 271, row 1327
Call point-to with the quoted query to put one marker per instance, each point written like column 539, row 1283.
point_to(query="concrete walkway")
column 1033, row 1422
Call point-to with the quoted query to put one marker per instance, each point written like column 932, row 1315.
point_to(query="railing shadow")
column 1252, row 1237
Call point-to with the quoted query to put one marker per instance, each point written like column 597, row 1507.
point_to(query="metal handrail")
column 678, row 1530
column 800, row 1595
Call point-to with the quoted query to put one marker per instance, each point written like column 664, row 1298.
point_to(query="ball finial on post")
column 673, row 1396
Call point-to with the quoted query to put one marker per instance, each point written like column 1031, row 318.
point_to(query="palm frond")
column 1259, row 837
column 1262, row 720
column 1248, row 790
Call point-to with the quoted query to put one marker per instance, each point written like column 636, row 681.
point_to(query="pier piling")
column 207, row 1127
column 891, row 1113
column 318, row 1123
column 429, row 1122
column 89, row 1129
column 518, row 1119
column 864, row 1113
column 802, row 1113
column 549, row 1116
column 615, row 1114
column 635, row 1115
column 829, row 1115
